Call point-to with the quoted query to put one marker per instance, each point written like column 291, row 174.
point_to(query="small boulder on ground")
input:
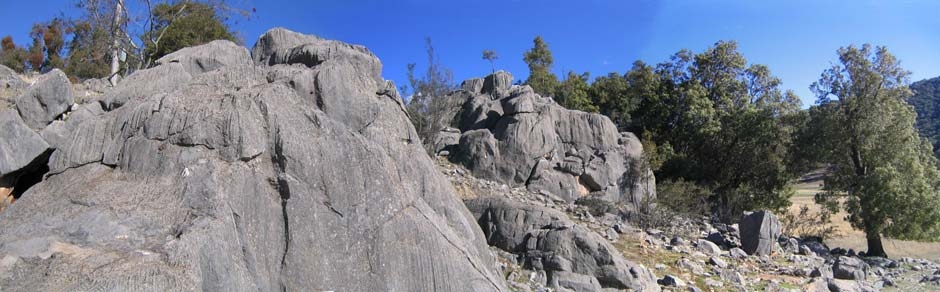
column 718, row 262
column 671, row 281
column 759, row 232
column 849, row 268
column 708, row 247
column 838, row 285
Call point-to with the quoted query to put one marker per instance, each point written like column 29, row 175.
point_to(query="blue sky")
column 796, row 39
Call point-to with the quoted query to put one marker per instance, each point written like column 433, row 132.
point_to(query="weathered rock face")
column 537, row 143
column 10, row 86
column 574, row 257
column 48, row 98
column 19, row 145
column 759, row 232
column 208, row 57
column 232, row 176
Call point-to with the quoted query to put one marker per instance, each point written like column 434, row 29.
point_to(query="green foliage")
column 882, row 169
column 540, row 60
column 88, row 51
column 183, row 24
column 45, row 52
column 12, row 56
column 574, row 93
column 614, row 96
column 728, row 125
column 926, row 102
column 655, row 155
column 684, row 197
column 428, row 106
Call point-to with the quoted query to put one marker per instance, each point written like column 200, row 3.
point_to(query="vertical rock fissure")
column 281, row 184
column 283, row 189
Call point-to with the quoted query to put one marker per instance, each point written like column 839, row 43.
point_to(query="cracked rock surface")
column 512, row 135
column 294, row 169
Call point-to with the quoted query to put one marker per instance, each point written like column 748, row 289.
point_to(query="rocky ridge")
column 294, row 167
column 289, row 168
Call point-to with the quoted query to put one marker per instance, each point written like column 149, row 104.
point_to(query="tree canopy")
column 183, row 24
column 105, row 31
column 574, row 92
column 884, row 173
column 728, row 125
column 11, row 55
column 539, row 59
column 490, row 55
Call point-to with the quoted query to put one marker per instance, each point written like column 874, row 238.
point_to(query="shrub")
column 806, row 224
column 684, row 197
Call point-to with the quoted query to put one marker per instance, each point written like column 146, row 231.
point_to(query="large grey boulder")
column 445, row 140
column 759, row 232
column 19, row 145
column 281, row 46
column 46, row 99
column 849, row 268
column 208, row 57
column 546, row 148
column 498, row 83
column 277, row 41
column 238, row 179
column 547, row 240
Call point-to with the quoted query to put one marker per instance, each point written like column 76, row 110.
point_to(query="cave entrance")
column 15, row 184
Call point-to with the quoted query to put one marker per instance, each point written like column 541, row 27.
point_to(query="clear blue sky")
column 796, row 39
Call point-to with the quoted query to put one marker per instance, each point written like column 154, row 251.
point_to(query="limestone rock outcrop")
column 515, row 136
column 573, row 256
column 294, row 171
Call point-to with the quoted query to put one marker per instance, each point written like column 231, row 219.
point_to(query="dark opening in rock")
column 14, row 185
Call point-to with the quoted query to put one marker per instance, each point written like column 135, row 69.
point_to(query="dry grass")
column 847, row 237
column 634, row 249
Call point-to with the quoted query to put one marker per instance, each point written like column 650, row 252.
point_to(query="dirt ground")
column 847, row 237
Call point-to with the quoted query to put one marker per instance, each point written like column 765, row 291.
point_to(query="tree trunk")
column 875, row 248
column 116, row 42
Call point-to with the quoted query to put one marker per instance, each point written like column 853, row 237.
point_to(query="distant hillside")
column 926, row 102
